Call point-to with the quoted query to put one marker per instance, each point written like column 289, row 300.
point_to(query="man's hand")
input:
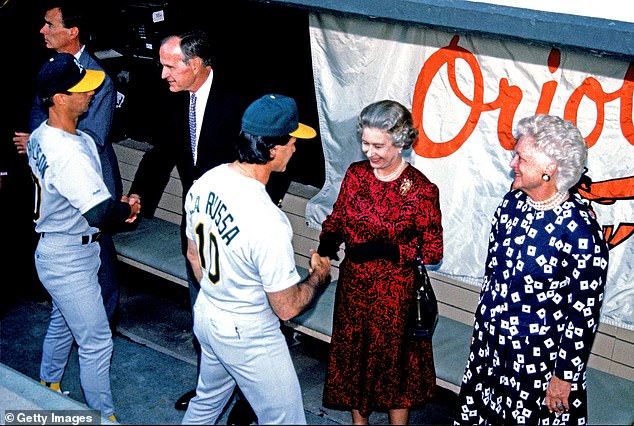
column 19, row 140
column 135, row 206
column 320, row 265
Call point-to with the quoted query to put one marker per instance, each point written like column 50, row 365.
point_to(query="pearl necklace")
column 392, row 175
column 549, row 203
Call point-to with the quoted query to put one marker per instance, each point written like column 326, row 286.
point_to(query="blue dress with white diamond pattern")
column 538, row 313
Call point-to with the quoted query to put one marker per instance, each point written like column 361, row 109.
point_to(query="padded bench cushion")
column 451, row 349
column 450, row 343
column 610, row 399
column 154, row 243
column 316, row 321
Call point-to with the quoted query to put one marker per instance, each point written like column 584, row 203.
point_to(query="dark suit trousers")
column 194, row 288
column 107, row 276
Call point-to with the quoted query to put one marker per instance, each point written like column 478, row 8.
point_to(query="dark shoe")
column 241, row 414
column 183, row 402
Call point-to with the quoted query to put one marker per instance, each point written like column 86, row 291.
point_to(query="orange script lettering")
column 509, row 99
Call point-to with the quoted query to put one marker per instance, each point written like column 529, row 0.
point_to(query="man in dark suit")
column 196, row 126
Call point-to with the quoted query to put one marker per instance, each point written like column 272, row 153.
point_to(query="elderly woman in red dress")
column 385, row 212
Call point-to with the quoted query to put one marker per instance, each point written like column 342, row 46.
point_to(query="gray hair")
column 561, row 141
column 392, row 117
column 194, row 44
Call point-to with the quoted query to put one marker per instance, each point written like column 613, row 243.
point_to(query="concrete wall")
column 589, row 33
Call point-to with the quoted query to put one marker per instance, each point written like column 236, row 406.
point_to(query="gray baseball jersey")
column 67, row 175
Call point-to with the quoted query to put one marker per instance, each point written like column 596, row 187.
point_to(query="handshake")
column 134, row 200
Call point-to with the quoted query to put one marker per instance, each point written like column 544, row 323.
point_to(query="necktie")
column 192, row 124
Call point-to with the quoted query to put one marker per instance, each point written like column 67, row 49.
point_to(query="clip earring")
column 545, row 177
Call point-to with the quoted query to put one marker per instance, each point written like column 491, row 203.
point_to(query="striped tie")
column 192, row 124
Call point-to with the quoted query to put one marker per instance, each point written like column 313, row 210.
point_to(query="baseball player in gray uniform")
column 71, row 204
column 239, row 245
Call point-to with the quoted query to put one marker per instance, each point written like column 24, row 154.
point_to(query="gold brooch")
column 405, row 186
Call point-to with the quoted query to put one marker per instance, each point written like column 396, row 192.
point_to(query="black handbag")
column 424, row 316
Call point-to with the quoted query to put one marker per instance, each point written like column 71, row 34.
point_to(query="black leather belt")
column 87, row 239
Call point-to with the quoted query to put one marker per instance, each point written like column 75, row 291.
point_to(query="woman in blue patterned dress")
column 543, row 288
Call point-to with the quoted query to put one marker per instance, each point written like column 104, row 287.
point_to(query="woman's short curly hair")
column 392, row 117
column 561, row 141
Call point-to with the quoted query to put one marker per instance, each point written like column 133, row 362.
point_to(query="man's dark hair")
column 256, row 149
column 73, row 15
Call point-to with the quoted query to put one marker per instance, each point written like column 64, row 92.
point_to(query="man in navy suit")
column 195, row 129
column 63, row 32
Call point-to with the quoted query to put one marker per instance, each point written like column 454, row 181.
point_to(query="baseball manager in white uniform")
column 239, row 245
column 72, row 203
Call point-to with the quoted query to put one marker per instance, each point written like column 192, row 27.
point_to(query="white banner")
column 466, row 94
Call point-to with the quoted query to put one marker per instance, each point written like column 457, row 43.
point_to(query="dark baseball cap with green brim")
column 275, row 115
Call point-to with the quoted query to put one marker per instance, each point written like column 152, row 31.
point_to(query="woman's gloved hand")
column 328, row 246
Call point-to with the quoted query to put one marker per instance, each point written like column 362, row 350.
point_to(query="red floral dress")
column 373, row 365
